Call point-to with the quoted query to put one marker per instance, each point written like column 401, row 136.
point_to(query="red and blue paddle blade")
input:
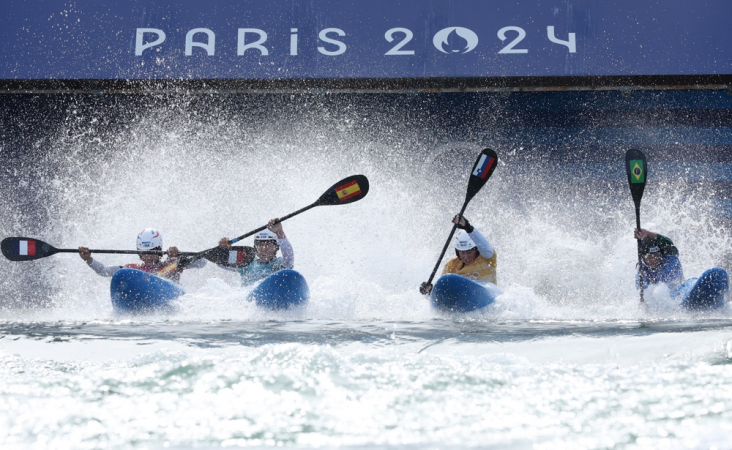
column 25, row 249
column 482, row 171
column 637, row 170
column 348, row 190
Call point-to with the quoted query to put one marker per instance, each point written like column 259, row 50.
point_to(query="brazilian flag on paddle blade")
column 637, row 171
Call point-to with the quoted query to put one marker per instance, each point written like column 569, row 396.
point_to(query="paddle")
column 637, row 170
column 348, row 190
column 29, row 249
column 479, row 175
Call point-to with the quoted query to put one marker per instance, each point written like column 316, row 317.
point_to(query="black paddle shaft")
column 29, row 249
column 281, row 219
column 636, row 168
column 447, row 244
column 348, row 190
column 482, row 170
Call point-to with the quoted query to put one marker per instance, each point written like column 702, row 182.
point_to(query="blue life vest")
column 258, row 270
column 669, row 272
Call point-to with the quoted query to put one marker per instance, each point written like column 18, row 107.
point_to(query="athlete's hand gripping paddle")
column 637, row 170
column 348, row 190
column 479, row 175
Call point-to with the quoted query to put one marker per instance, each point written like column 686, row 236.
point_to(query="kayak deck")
column 455, row 293
column 281, row 290
column 709, row 291
column 135, row 291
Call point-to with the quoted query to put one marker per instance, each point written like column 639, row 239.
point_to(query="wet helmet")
column 149, row 239
column 463, row 242
column 265, row 235
column 659, row 244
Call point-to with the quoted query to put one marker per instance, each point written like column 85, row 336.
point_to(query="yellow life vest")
column 482, row 269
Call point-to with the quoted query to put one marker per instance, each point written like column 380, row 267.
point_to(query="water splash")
column 199, row 168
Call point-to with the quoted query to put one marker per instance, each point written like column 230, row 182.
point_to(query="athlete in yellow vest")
column 476, row 258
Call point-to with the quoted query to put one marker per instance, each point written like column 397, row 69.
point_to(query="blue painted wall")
column 89, row 39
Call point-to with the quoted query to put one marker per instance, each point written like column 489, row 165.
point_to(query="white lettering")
column 140, row 34
column 210, row 47
column 397, row 49
column 293, row 42
column 243, row 46
column 570, row 43
column 323, row 35
column 510, row 47
column 448, row 40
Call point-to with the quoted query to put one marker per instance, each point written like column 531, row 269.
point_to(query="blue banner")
column 387, row 39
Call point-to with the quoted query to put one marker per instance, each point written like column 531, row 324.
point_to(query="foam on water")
column 383, row 384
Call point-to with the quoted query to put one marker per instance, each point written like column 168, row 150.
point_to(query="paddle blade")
column 235, row 257
column 25, row 249
column 637, row 170
column 348, row 190
column 482, row 171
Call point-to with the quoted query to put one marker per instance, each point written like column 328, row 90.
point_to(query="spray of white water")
column 565, row 249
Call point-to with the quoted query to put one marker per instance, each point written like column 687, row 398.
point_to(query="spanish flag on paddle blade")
column 168, row 270
column 348, row 190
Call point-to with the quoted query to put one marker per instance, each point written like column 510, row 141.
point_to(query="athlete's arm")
column 484, row 247
column 288, row 254
column 101, row 269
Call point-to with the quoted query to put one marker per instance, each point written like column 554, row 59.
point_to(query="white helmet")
column 265, row 235
column 463, row 241
column 149, row 239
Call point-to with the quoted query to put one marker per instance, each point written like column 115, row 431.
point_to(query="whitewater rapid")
column 367, row 384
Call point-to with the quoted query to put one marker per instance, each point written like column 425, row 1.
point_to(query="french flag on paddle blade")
column 25, row 248
column 236, row 257
column 484, row 166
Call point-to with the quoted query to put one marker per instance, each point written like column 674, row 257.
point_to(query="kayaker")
column 266, row 262
column 148, row 240
column 476, row 258
column 659, row 261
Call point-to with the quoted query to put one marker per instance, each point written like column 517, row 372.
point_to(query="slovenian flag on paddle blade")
column 484, row 166
column 348, row 190
column 25, row 248
column 637, row 174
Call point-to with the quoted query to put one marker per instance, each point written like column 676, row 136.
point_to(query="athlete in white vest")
column 266, row 262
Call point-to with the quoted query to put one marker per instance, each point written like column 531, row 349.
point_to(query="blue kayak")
column 706, row 292
column 281, row 290
column 456, row 293
column 135, row 291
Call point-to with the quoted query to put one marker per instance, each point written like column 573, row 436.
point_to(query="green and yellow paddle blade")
column 637, row 170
